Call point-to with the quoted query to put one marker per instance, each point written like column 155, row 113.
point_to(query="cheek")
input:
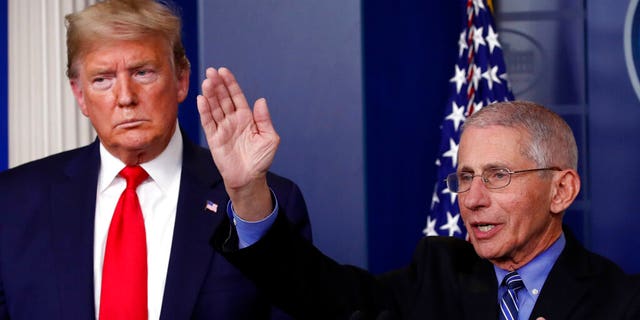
column 95, row 111
column 157, row 95
column 98, row 101
column 99, row 109
column 526, row 215
column 167, row 101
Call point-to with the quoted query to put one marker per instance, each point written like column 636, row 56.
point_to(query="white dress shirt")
column 158, row 196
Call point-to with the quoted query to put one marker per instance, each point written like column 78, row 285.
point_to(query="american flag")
column 480, row 78
column 211, row 206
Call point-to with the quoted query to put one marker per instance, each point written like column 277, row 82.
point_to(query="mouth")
column 486, row 227
column 129, row 124
column 484, row 230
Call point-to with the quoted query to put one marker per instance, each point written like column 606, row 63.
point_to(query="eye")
column 465, row 177
column 101, row 83
column 498, row 174
column 145, row 75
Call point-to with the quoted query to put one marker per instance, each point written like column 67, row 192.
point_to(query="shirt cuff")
column 249, row 232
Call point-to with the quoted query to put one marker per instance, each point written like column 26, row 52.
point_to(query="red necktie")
column 124, row 272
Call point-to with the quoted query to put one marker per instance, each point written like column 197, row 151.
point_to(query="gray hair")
column 551, row 141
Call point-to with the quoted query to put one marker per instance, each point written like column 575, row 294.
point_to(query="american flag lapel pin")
column 211, row 206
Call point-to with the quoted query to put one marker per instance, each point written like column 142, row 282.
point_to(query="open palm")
column 243, row 143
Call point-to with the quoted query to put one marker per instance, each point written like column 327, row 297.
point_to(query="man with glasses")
column 516, row 177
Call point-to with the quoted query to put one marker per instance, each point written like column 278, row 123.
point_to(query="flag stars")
column 452, row 224
column 492, row 39
column 477, row 5
column 451, row 194
column 462, row 43
column 456, row 115
column 478, row 39
column 430, row 229
column 477, row 106
column 491, row 75
column 452, row 152
column 480, row 58
column 505, row 78
column 434, row 198
column 476, row 76
column 459, row 78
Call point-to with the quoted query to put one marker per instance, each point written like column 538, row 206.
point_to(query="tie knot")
column 134, row 176
column 513, row 281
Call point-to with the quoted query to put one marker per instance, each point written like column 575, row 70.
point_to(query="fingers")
column 218, row 93
column 223, row 87
column 209, row 106
column 262, row 117
column 222, row 97
column 234, row 92
column 206, row 118
column 222, row 92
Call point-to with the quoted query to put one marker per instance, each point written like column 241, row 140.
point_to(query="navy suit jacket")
column 47, row 210
column 445, row 280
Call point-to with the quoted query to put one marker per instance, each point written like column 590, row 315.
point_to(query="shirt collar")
column 161, row 169
column 535, row 272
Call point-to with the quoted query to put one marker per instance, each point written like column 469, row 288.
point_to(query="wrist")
column 253, row 201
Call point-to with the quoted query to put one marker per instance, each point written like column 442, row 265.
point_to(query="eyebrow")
column 99, row 70
column 134, row 66
column 141, row 64
column 493, row 165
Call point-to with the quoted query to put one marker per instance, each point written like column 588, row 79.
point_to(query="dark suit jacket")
column 47, row 210
column 445, row 280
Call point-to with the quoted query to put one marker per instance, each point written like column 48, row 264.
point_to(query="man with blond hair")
column 121, row 228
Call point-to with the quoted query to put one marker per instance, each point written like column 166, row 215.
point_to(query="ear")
column 565, row 189
column 183, row 84
column 77, row 92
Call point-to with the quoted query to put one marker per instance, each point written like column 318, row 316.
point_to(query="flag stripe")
column 480, row 79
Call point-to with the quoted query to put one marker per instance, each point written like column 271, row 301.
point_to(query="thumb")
column 262, row 117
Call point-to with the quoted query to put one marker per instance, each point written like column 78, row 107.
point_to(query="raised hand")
column 242, row 143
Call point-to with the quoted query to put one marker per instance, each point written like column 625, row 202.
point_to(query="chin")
column 130, row 148
column 484, row 250
column 136, row 140
column 139, row 145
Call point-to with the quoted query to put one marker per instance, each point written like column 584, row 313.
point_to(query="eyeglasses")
column 494, row 178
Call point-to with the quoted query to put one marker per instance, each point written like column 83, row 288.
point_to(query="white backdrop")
column 43, row 116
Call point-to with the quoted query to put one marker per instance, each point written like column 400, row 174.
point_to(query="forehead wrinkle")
column 500, row 153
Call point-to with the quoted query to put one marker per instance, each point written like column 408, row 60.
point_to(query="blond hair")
column 123, row 20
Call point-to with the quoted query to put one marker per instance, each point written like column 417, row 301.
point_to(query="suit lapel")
column 568, row 282
column 191, row 252
column 73, row 200
column 479, row 292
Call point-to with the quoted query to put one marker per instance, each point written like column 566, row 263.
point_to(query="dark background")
column 360, row 128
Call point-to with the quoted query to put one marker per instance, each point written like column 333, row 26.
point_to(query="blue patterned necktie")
column 509, row 302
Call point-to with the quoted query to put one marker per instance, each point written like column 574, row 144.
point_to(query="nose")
column 476, row 197
column 126, row 92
